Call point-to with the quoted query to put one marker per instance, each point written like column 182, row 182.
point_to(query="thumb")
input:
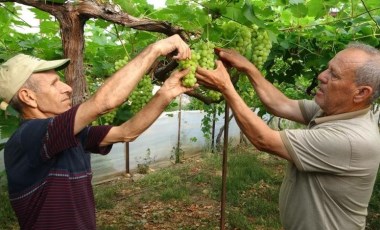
column 219, row 64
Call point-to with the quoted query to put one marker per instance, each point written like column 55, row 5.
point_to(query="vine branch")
column 370, row 15
column 327, row 23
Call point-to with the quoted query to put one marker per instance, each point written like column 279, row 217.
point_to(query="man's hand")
column 217, row 79
column 173, row 43
column 234, row 59
column 173, row 85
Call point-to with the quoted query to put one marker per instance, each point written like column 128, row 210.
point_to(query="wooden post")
column 126, row 157
column 177, row 152
column 224, row 170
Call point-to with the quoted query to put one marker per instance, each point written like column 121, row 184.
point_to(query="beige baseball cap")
column 15, row 72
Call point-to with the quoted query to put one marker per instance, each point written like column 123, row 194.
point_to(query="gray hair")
column 15, row 102
column 369, row 72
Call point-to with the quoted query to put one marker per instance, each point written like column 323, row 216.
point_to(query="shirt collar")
column 343, row 116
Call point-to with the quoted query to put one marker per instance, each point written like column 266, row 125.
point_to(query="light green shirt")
column 336, row 159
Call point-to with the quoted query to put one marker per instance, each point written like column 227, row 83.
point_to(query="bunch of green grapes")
column 122, row 62
column 214, row 95
column 251, row 42
column 189, row 80
column 206, row 54
column 202, row 54
column 105, row 119
column 261, row 46
column 141, row 95
column 239, row 37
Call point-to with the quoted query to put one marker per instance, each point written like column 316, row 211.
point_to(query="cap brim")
column 49, row 65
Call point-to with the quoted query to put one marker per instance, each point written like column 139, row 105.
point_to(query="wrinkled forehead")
column 351, row 56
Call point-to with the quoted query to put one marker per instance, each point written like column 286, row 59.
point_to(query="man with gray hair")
column 334, row 162
column 47, row 159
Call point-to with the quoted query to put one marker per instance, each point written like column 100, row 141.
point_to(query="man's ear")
column 28, row 97
column 363, row 94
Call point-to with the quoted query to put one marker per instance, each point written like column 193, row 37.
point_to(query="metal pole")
column 177, row 160
column 126, row 157
column 224, row 170
column 213, row 129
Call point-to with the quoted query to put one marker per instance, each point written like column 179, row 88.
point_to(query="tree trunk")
column 72, row 34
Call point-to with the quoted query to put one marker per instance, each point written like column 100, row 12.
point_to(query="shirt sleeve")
column 60, row 136
column 309, row 109
column 324, row 150
column 94, row 137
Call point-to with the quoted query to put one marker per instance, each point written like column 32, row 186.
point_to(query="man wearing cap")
column 47, row 159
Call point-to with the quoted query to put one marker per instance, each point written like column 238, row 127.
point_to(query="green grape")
column 105, row 119
column 251, row 42
column 120, row 63
column 189, row 80
column 214, row 95
column 261, row 46
column 206, row 51
column 141, row 95
column 238, row 36
column 202, row 55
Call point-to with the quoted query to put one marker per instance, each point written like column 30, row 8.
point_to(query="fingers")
column 182, row 47
column 184, row 51
column 180, row 73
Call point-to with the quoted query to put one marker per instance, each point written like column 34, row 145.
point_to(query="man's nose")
column 323, row 76
column 66, row 88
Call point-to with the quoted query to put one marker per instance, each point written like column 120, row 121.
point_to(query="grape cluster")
column 141, row 94
column 238, row 36
column 189, row 80
column 105, row 119
column 261, row 46
column 214, row 95
column 251, row 42
column 202, row 54
column 120, row 63
column 206, row 52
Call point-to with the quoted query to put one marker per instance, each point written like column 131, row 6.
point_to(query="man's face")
column 337, row 83
column 53, row 96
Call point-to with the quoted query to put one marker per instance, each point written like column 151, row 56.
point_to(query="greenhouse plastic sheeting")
column 156, row 144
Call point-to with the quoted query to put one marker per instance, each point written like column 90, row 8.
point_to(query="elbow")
column 104, row 104
column 260, row 143
column 130, row 138
column 263, row 143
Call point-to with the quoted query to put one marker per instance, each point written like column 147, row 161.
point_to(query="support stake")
column 224, row 170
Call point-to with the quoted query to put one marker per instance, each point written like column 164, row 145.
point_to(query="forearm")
column 118, row 87
column 273, row 99
column 135, row 126
column 255, row 129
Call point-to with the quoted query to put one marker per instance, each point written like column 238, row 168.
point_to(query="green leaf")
column 295, row 2
column 316, row 9
column 39, row 14
column 49, row 27
column 299, row 10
